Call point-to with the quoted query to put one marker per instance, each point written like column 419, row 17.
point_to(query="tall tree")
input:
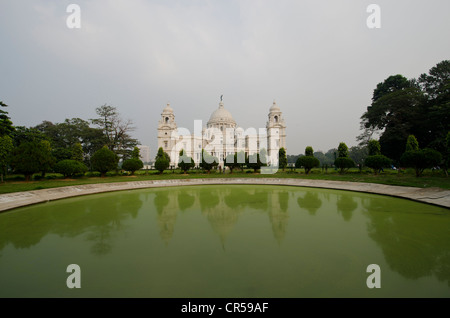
column 31, row 157
column 412, row 143
column 435, row 115
column 6, row 125
column 282, row 159
column 343, row 162
column 135, row 154
column 185, row 162
column 116, row 130
column 162, row 160
column 374, row 147
column 402, row 107
column 375, row 160
column 6, row 147
column 77, row 152
column 64, row 136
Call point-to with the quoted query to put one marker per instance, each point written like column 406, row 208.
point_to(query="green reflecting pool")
column 226, row 241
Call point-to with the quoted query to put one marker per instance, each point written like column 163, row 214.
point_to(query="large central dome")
column 221, row 116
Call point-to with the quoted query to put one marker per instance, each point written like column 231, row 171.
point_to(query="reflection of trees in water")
column 185, row 200
column 411, row 247
column 23, row 229
column 310, row 201
column 346, row 205
column 99, row 218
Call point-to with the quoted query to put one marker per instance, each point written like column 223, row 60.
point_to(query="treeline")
column 405, row 113
column 239, row 160
column 71, row 147
column 402, row 107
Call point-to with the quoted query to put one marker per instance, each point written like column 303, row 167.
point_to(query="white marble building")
column 221, row 136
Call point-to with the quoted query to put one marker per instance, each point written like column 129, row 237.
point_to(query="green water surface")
column 226, row 241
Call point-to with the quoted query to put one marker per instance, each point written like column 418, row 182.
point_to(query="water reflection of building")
column 167, row 209
column 219, row 214
column 278, row 213
column 222, row 207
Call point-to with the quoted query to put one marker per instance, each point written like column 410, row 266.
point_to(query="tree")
column 45, row 157
column 412, row 143
column 358, row 154
column 185, row 162
column 161, row 164
column 435, row 116
column 77, row 152
column 162, row 160
column 374, row 147
column 104, row 160
column 31, row 157
column 132, row 165
column 282, row 160
column 343, row 162
column 64, row 136
column 342, row 150
column 377, row 162
column 162, row 154
column 135, row 154
column 6, row 147
column 6, row 125
column 23, row 134
column 69, row 168
column 231, row 162
column 116, row 130
column 309, row 151
column 208, row 161
column 421, row 159
column 254, row 162
column 308, row 161
column 402, row 107
column 446, row 156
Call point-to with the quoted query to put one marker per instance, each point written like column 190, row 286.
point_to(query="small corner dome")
column 167, row 109
column 274, row 107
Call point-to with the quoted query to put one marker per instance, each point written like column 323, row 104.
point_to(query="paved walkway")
column 434, row 196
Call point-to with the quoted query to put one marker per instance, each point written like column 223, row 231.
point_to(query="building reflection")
column 278, row 213
column 166, row 203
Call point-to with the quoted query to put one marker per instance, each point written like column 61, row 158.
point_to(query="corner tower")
column 166, row 127
column 276, row 131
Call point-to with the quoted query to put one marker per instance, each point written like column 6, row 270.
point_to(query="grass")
column 430, row 178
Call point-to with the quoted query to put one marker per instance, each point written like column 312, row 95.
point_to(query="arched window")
column 167, row 120
column 276, row 119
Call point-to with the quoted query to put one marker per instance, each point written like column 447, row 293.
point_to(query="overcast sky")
column 317, row 59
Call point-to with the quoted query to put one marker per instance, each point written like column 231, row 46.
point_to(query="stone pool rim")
column 434, row 196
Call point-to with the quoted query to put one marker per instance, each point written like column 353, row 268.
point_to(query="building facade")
column 221, row 136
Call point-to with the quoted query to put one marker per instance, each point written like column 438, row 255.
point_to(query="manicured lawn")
column 391, row 177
